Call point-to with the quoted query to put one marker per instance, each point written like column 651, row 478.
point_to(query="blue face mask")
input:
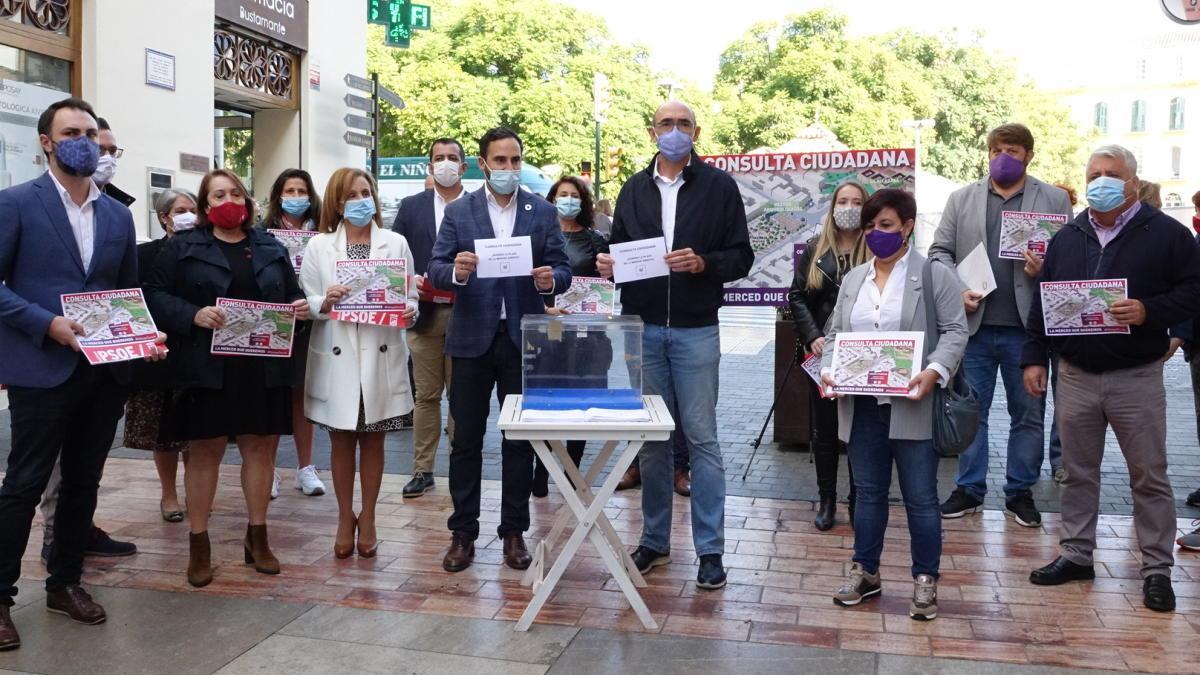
column 359, row 212
column 504, row 182
column 296, row 206
column 77, row 156
column 675, row 145
column 568, row 207
column 1105, row 193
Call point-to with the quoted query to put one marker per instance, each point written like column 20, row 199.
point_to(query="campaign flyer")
column 378, row 291
column 1082, row 307
column 877, row 363
column 255, row 329
column 118, row 324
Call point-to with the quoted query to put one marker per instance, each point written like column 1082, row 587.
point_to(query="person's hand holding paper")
column 637, row 260
column 511, row 257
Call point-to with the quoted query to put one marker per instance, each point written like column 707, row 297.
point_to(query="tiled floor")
column 782, row 572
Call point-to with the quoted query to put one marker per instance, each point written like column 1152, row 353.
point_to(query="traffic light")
column 614, row 157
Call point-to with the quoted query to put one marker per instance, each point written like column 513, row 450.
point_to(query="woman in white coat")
column 357, row 383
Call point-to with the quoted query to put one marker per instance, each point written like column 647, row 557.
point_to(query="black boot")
column 825, row 512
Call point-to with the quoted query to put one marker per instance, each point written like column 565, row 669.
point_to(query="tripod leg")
column 761, row 432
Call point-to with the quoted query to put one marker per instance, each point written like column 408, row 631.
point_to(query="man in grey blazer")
column 997, row 322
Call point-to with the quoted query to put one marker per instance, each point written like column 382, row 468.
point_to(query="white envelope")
column 642, row 259
column 512, row 257
column 975, row 270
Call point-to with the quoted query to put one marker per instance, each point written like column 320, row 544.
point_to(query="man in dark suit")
column 419, row 220
column 484, row 336
column 59, row 234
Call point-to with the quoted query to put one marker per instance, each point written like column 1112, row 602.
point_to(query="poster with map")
column 118, row 324
column 294, row 241
column 878, row 363
column 587, row 295
column 1082, row 307
column 255, row 329
column 787, row 194
column 378, row 291
column 1022, row 231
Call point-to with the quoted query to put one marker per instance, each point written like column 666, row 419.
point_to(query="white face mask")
column 183, row 221
column 106, row 168
column 847, row 217
column 445, row 173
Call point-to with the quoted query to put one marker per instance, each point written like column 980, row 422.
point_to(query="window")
column 1176, row 162
column 1176, row 114
column 1101, row 117
column 1173, row 201
column 1137, row 119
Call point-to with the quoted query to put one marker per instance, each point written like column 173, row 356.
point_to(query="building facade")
column 178, row 79
column 1145, row 95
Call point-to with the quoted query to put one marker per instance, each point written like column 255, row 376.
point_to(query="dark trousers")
column 471, row 383
column 78, row 419
column 824, row 445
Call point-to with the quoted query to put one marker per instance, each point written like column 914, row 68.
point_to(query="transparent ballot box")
column 581, row 362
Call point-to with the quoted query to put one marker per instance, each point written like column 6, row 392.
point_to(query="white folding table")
column 584, row 506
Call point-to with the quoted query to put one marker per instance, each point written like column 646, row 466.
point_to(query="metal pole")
column 375, row 126
column 596, row 180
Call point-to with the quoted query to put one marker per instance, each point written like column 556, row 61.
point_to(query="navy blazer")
column 39, row 261
column 417, row 223
column 476, row 312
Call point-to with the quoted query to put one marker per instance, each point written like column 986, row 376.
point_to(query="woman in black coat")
column 247, row 398
column 826, row 259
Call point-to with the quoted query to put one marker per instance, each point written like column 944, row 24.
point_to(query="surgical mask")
column 675, row 145
column 884, row 244
column 504, row 182
column 77, row 156
column 1006, row 169
column 445, row 173
column 181, row 222
column 227, row 215
column 296, row 206
column 568, row 207
column 1105, row 193
column 106, row 168
column 847, row 217
column 359, row 212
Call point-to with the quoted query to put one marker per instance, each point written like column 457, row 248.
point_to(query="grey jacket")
column 964, row 226
column 911, row 420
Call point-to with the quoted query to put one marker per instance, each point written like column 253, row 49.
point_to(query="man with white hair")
column 1116, row 379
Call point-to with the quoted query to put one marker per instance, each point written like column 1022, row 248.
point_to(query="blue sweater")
column 1162, row 264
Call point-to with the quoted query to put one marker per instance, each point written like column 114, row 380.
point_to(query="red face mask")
column 1196, row 224
column 227, row 215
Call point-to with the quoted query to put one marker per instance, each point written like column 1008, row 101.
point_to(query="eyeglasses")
column 111, row 150
column 665, row 125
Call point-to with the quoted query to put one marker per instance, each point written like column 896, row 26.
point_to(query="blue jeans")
column 991, row 348
column 681, row 365
column 872, row 454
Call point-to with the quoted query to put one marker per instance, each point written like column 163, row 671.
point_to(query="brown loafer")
column 683, row 483
column 460, row 555
column 516, row 555
column 631, row 479
column 77, row 604
column 9, row 639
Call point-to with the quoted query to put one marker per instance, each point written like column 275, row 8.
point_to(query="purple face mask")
column 1006, row 169
column 77, row 156
column 884, row 244
column 675, row 145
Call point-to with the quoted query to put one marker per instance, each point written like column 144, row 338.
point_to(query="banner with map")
column 378, row 291
column 294, row 241
column 587, row 295
column 1022, row 231
column 254, row 329
column 877, row 363
column 787, row 194
column 118, row 324
column 1082, row 307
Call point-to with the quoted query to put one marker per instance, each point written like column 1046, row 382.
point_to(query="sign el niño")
column 284, row 21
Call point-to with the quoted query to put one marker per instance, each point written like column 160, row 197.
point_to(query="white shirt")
column 82, row 219
column 439, row 209
column 669, row 190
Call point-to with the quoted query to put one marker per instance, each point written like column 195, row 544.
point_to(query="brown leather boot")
column 199, row 570
column 9, row 638
column 683, row 482
column 516, row 555
column 631, row 479
column 258, row 552
column 460, row 554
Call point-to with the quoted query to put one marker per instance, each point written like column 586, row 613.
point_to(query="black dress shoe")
column 825, row 513
column 1157, row 593
column 420, row 484
column 9, row 639
column 1060, row 572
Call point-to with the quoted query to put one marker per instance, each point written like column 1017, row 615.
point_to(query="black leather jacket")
column 811, row 308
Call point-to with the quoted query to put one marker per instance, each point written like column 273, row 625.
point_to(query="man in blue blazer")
column 484, row 336
column 419, row 220
column 58, row 234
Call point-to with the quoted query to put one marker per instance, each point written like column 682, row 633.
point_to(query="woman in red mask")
column 216, row 398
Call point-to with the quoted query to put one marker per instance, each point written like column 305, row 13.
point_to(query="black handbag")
column 955, row 407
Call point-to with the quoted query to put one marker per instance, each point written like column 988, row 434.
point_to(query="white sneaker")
column 275, row 487
column 308, row 482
